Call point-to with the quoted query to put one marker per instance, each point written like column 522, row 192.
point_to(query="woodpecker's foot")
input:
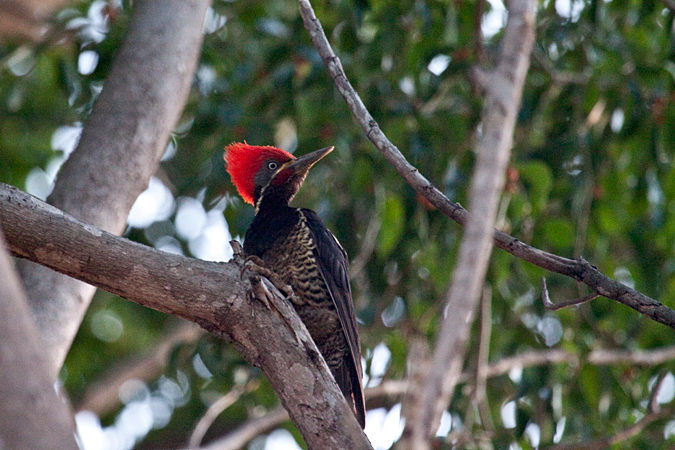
column 256, row 265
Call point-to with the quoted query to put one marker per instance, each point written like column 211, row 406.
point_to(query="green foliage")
column 591, row 174
column 392, row 218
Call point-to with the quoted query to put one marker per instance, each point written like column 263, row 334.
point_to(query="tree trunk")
column 120, row 148
column 31, row 415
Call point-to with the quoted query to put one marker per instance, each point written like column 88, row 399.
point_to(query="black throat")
column 274, row 219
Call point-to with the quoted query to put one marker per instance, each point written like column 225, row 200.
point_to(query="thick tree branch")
column 266, row 331
column 123, row 139
column 31, row 414
column 578, row 269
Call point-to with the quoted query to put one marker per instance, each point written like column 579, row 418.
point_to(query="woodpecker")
column 297, row 246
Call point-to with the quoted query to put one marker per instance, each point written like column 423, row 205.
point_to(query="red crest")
column 243, row 162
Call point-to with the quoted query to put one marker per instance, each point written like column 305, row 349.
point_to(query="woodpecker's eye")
column 272, row 165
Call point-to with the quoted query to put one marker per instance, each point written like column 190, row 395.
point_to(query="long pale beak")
column 303, row 163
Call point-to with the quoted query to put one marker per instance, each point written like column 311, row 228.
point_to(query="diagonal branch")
column 245, row 433
column 267, row 332
column 102, row 396
column 213, row 412
column 578, row 269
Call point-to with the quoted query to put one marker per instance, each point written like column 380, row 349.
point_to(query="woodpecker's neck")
column 274, row 198
column 273, row 220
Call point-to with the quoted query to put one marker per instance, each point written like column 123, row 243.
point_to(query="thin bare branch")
column 636, row 357
column 359, row 262
column 390, row 152
column 530, row 359
column 252, row 428
column 102, row 396
column 653, row 405
column 483, row 356
column 565, row 303
column 212, row 413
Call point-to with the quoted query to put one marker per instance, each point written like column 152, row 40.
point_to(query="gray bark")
column 120, row 148
column 31, row 414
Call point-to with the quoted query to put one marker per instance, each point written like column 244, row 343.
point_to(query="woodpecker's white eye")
column 272, row 165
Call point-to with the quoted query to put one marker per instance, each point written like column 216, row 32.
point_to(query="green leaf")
column 392, row 216
column 558, row 233
column 538, row 179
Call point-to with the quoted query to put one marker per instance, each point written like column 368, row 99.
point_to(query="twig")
column 607, row 442
column 103, row 395
column 565, row 303
column 250, row 429
column 653, row 405
column 213, row 412
column 601, row 357
column 367, row 246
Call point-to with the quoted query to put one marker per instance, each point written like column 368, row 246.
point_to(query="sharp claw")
column 256, row 265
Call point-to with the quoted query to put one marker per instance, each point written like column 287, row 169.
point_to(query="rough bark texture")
column 120, row 148
column 31, row 415
column 255, row 317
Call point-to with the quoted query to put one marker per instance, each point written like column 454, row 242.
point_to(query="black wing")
column 333, row 264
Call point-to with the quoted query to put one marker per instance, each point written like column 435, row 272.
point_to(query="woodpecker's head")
column 267, row 171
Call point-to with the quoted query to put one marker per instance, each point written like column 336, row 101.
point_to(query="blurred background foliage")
column 591, row 174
